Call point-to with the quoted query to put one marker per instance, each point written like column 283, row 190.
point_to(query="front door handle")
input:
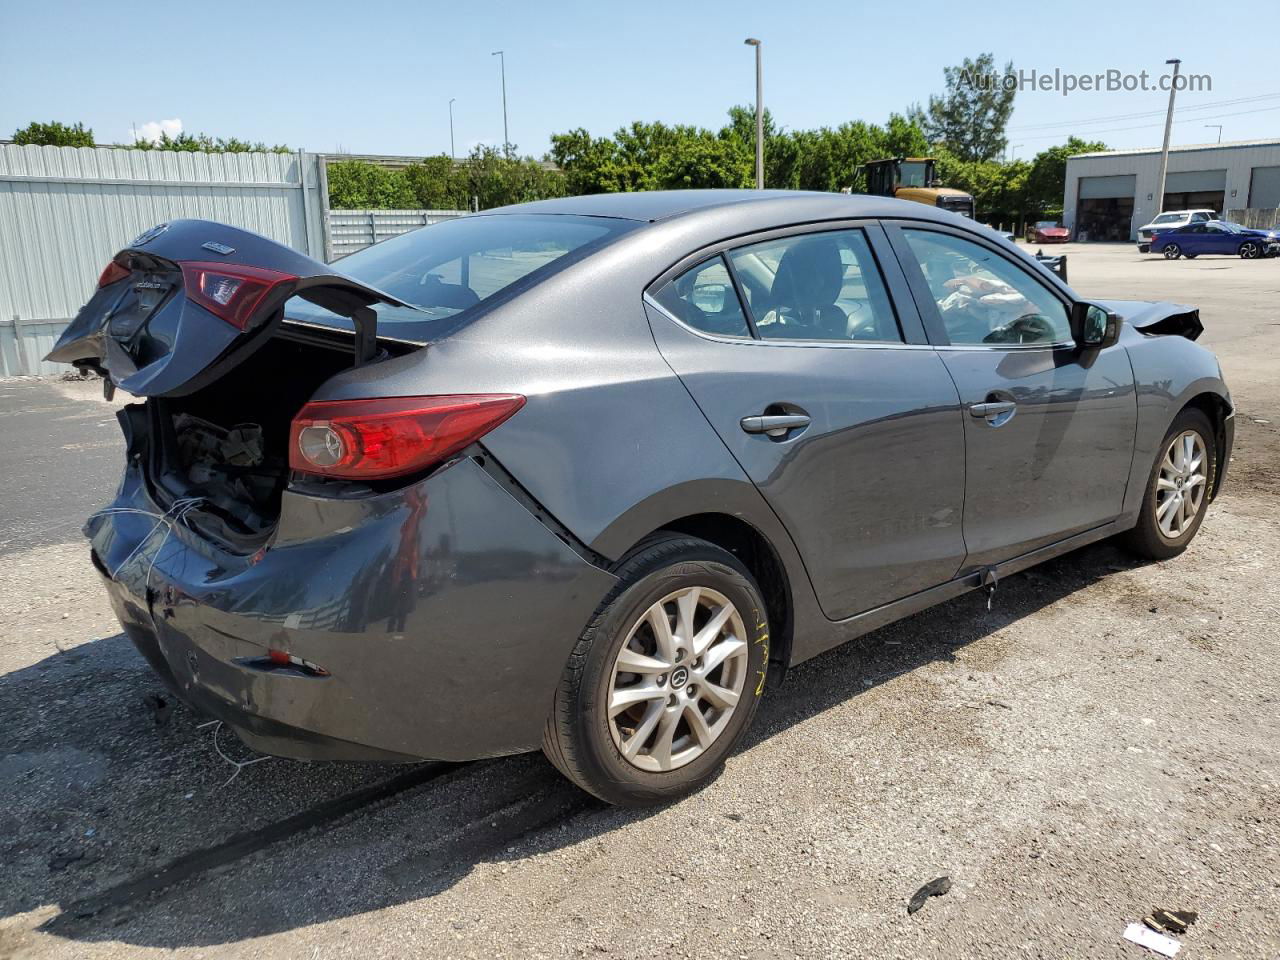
column 992, row 409
column 775, row 425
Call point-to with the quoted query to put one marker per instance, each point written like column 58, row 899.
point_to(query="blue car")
column 1216, row 236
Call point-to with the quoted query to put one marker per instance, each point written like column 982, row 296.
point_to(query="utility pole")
column 753, row 42
column 506, row 138
column 453, row 154
column 1168, row 128
column 1219, row 126
column 1013, row 150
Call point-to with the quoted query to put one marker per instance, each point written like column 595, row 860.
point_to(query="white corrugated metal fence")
column 352, row 230
column 65, row 211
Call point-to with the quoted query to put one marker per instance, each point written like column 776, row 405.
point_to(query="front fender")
column 1170, row 372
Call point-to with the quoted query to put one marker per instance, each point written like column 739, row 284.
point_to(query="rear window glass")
column 449, row 267
column 704, row 298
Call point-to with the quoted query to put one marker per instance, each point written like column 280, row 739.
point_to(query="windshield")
column 1229, row 227
column 913, row 174
column 1169, row 218
column 447, row 268
column 1047, row 223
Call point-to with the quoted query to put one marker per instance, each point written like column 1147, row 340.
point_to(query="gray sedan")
column 587, row 475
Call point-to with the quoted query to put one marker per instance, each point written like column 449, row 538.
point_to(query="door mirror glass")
column 1094, row 326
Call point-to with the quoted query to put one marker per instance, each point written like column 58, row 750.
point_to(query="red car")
column 1047, row 231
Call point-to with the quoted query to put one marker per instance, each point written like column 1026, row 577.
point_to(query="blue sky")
column 375, row 77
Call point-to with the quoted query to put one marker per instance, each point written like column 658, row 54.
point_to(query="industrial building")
column 1110, row 195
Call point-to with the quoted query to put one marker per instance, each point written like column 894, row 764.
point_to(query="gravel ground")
column 1102, row 741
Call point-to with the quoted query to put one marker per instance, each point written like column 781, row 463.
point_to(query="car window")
column 982, row 297
column 704, row 298
column 1168, row 218
column 447, row 268
column 1200, row 216
column 818, row 286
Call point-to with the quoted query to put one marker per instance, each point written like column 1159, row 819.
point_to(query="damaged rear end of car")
column 314, row 573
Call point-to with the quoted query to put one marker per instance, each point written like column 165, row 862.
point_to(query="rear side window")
column 704, row 299
column 817, row 286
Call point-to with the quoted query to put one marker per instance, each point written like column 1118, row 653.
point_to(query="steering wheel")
column 1028, row 328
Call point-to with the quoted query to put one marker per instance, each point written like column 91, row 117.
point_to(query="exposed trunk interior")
column 227, row 443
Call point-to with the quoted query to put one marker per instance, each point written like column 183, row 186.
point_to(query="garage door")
column 1102, row 188
column 1264, row 187
column 1195, row 181
column 1105, row 210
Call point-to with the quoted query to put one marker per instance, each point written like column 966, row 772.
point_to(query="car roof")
column 655, row 205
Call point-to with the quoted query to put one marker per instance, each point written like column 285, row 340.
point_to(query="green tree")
column 357, row 185
column 1046, row 183
column 203, row 143
column 54, row 134
column 970, row 119
column 438, row 183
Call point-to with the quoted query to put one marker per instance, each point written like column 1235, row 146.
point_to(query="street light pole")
column 453, row 154
column 753, row 42
column 1168, row 128
column 1219, row 126
column 506, row 138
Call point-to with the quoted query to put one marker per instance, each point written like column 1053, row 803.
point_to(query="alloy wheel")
column 1171, row 251
column 1181, row 484
column 1249, row 251
column 677, row 679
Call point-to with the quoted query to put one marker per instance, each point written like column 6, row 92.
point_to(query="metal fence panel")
column 351, row 230
column 64, row 211
column 1256, row 218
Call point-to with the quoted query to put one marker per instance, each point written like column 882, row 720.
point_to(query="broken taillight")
column 111, row 273
column 230, row 292
column 391, row 436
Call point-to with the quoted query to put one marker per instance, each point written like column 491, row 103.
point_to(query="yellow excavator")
column 912, row 178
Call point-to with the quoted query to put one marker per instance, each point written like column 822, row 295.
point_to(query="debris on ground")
column 1165, row 946
column 934, row 888
column 64, row 859
column 1174, row 921
column 160, row 707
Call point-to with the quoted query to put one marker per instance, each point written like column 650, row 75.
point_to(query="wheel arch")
column 759, row 555
column 1219, row 410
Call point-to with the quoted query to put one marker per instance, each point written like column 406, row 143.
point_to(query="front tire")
column 664, row 681
column 1172, row 251
column 1250, row 250
column 1178, row 489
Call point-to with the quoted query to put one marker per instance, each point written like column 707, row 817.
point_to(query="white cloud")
column 154, row 128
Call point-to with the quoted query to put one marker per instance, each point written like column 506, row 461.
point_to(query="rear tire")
column 1172, row 251
column 1178, row 489
column 631, row 737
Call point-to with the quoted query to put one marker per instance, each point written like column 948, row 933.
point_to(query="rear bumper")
column 441, row 616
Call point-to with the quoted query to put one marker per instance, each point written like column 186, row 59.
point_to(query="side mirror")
column 1093, row 326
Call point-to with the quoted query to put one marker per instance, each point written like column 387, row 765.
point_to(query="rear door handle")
column 992, row 409
column 775, row 425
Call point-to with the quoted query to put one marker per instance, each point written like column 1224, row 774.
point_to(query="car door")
column 1190, row 239
column 821, row 383
column 1048, row 429
column 1217, row 239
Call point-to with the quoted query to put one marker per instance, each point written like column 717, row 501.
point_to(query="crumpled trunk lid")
column 189, row 299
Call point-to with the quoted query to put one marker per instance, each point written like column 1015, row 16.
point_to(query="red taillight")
column 231, row 292
column 111, row 273
column 388, row 437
